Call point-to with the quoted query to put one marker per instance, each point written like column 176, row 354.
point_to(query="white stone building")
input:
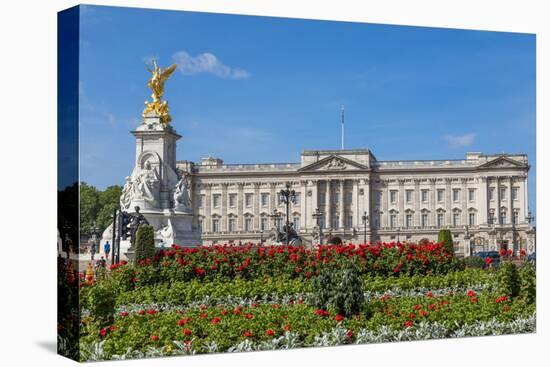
column 482, row 199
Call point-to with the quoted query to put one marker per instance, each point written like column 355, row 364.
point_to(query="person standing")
column 93, row 250
column 107, row 249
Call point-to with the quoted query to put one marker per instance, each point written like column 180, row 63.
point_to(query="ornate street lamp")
column 288, row 196
column 467, row 239
column 365, row 219
column 318, row 215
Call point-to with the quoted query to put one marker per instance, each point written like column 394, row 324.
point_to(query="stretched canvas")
column 232, row 183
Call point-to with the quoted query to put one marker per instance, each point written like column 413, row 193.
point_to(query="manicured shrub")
column 101, row 301
column 446, row 238
column 527, row 280
column 348, row 294
column 323, row 288
column 474, row 262
column 145, row 243
column 508, row 279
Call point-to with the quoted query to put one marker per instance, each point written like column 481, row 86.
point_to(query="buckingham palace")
column 482, row 199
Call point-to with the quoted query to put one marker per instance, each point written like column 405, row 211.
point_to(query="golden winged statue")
column 156, row 84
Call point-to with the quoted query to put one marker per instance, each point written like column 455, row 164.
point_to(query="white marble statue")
column 146, row 184
column 182, row 199
column 166, row 234
column 126, row 195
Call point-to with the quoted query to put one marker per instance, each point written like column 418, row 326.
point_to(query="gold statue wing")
column 168, row 71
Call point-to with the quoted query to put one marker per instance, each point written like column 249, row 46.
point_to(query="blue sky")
column 261, row 89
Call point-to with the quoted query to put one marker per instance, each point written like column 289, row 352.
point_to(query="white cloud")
column 206, row 63
column 460, row 140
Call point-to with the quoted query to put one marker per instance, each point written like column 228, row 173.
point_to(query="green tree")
column 89, row 207
column 446, row 237
column 108, row 202
column 145, row 243
column 508, row 282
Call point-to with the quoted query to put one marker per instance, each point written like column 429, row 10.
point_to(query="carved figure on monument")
column 137, row 220
column 126, row 195
column 166, row 234
column 147, row 184
column 182, row 199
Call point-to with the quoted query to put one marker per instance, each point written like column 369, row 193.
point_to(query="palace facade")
column 482, row 199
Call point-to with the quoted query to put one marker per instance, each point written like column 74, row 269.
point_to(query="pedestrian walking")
column 93, row 250
column 107, row 249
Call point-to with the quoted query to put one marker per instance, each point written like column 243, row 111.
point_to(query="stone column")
column 328, row 204
column 208, row 208
column 432, row 219
column 464, row 201
column 366, row 202
column 385, row 219
column 497, row 210
column 417, row 199
column 510, row 212
column 448, row 201
column 314, row 202
column 224, row 204
column 240, row 206
column 401, row 203
column 355, row 211
column 482, row 200
column 256, row 206
column 303, row 204
column 341, row 221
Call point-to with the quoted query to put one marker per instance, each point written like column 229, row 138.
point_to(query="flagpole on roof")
column 342, row 127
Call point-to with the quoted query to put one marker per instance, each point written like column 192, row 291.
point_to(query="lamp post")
column 318, row 215
column 467, row 239
column 365, row 219
column 288, row 196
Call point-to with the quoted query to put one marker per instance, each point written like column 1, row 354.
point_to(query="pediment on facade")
column 333, row 163
column 502, row 162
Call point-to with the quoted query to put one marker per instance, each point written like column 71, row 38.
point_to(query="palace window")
column 215, row 225
column 336, row 197
column 516, row 217
column 440, row 195
column 265, row 200
column 424, row 196
column 503, row 193
column 456, row 219
column 377, row 198
column 376, row 223
column 393, row 220
column 491, row 193
column 456, row 195
column 408, row 220
column 424, row 220
column 248, row 199
column 216, row 200
column 199, row 225
column 393, row 196
column 200, row 201
column 321, row 199
column 298, row 197
column 247, row 224
column 409, row 196
column 492, row 219
column 349, row 197
column 515, row 191
column 503, row 217
column 232, row 200
column 440, row 219
column 471, row 194
column 350, row 221
column 263, row 224
column 231, row 224
column 472, row 219
column 335, row 221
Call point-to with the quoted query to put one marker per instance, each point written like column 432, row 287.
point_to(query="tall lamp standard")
column 288, row 196
column 530, row 218
column 365, row 219
column 467, row 239
column 318, row 215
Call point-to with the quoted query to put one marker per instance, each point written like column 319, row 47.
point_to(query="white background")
column 28, row 180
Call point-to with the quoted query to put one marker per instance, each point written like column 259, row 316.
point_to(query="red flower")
column 124, row 313
column 502, row 252
column 501, row 299
column 471, row 293
column 141, row 312
column 215, row 320
column 247, row 334
column 473, row 299
column 223, row 312
column 321, row 312
column 416, row 307
column 154, row 338
column 270, row 332
column 249, row 316
column 204, row 315
column 409, row 323
column 429, row 294
column 103, row 332
column 286, row 327
column 339, row 318
column 423, row 313
column 112, row 328
column 152, row 312
column 187, row 332
column 350, row 334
